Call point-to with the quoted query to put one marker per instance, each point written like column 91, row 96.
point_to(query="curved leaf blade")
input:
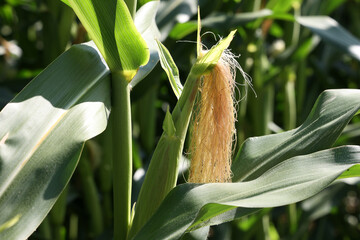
column 290, row 181
column 169, row 66
column 218, row 21
column 145, row 23
column 111, row 27
column 331, row 113
column 42, row 134
column 331, row 31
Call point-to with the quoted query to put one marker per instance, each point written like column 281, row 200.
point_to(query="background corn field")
column 291, row 60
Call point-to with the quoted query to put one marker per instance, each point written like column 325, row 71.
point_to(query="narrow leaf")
column 220, row 21
column 169, row 66
column 331, row 31
column 145, row 23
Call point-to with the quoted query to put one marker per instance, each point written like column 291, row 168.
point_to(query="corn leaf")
column 42, row 133
column 293, row 180
column 332, row 32
column 218, row 21
column 111, row 27
column 145, row 23
column 331, row 113
column 169, row 66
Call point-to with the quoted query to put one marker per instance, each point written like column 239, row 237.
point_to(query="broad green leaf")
column 169, row 66
column 331, row 113
column 293, row 180
column 42, row 133
column 146, row 25
column 111, row 27
column 162, row 174
column 331, row 31
column 218, row 21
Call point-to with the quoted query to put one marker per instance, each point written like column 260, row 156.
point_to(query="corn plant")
column 87, row 90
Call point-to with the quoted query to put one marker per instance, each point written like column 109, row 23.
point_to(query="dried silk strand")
column 214, row 124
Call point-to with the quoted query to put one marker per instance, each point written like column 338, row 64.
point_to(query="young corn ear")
column 214, row 124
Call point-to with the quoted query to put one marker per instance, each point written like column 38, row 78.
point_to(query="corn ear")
column 161, row 176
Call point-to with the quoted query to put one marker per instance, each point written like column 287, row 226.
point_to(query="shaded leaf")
column 218, row 21
column 293, row 180
column 330, row 114
column 42, row 133
column 331, row 31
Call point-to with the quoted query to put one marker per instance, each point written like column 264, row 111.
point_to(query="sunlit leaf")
column 169, row 66
column 293, row 180
column 146, row 25
column 111, row 27
column 42, row 133
column 331, row 113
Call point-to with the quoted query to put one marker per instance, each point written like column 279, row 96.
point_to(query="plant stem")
column 290, row 101
column 105, row 175
column 122, row 155
column 57, row 215
column 293, row 218
column 45, row 229
column 90, row 194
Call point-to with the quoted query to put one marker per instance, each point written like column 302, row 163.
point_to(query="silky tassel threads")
column 214, row 124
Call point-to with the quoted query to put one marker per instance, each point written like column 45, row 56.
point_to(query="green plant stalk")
column 169, row 147
column 290, row 101
column 242, row 107
column 44, row 229
column 122, row 155
column 57, row 215
column 105, row 175
column 301, row 89
column 147, row 117
column 161, row 176
column 73, row 227
column 293, row 218
column 90, row 194
column 292, row 39
column 262, row 111
column 241, row 135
